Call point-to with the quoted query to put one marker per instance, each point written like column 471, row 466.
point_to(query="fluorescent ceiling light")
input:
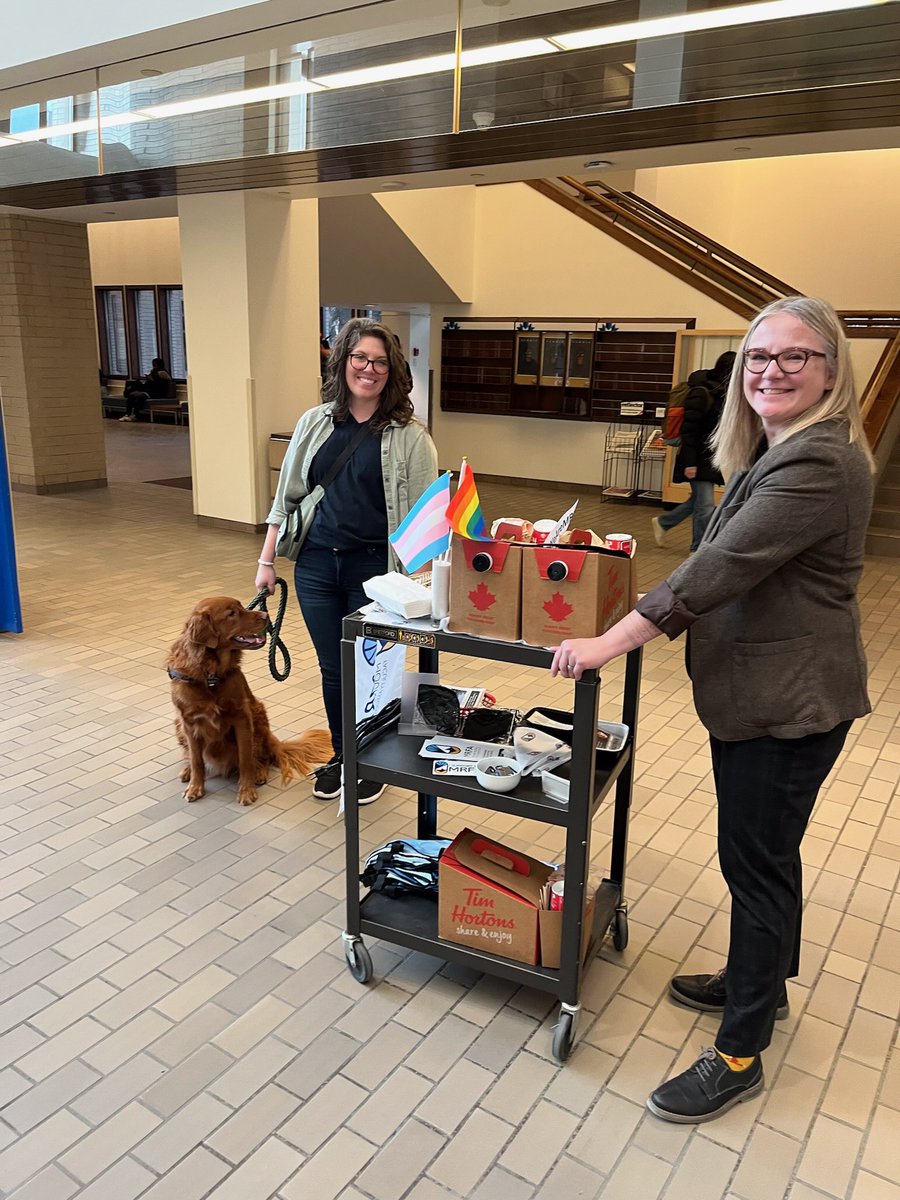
column 88, row 125
column 721, row 18
column 275, row 91
column 5, row 140
column 435, row 63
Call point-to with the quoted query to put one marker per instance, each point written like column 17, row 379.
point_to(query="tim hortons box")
column 486, row 589
column 489, row 897
column 574, row 591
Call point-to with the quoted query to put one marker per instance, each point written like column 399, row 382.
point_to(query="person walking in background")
column 776, row 664
column 693, row 464
column 157, row 384
column 365, row 386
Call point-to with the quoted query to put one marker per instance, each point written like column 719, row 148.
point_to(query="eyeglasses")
column 789, row 361
column 360, row 361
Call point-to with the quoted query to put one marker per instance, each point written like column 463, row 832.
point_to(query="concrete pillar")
column 48, row 357
column 250, row 270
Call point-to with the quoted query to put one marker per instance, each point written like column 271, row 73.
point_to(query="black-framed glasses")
column 789, row 361
column 360, row 361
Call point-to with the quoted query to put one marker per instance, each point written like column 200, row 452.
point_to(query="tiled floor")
column 176, row 1019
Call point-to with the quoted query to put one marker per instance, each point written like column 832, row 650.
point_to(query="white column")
column 250, row 266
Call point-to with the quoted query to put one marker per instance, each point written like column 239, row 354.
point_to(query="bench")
column 177, row 409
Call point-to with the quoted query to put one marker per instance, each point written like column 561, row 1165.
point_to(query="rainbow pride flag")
column 464, row 510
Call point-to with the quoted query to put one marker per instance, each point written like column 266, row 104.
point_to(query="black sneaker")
column 367, row 791
column 707, row 993
column 328, row 780
column 705, row 1090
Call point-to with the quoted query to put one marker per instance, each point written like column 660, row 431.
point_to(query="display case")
column 569, row 368
column 393, row 759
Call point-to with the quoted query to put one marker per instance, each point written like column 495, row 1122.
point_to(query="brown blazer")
column 769, row 598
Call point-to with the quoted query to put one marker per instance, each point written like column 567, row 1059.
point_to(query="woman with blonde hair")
column 775, row 657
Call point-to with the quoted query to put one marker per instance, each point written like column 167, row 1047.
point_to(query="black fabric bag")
column 407, row 866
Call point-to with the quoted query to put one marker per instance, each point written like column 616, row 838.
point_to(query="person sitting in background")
column 776, row 662
column 693, row 464
column 157, row 384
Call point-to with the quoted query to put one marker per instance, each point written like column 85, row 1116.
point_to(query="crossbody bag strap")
column 361, row 433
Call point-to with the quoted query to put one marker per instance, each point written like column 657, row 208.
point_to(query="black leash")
column 273, row 629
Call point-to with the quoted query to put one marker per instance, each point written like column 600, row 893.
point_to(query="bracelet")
column 264, row 562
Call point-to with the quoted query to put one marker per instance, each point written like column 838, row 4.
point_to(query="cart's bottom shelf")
column 412, row 921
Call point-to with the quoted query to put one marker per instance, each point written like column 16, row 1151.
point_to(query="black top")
column 353, row 512
column 702, row 410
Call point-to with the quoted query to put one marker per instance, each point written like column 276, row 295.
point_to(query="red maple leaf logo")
column 482, row 598
column 556, row 607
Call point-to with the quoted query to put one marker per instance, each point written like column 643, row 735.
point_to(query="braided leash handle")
column 273, row 629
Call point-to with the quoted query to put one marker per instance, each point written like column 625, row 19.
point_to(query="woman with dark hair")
column 365, row 386
column 693, row 464
column 776, row 662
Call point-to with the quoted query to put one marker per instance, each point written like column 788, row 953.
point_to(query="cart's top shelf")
column 357, row 625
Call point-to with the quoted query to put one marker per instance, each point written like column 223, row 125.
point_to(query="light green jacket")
column 408, row 466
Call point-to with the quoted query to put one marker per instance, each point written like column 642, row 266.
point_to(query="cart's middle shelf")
column 395, row 759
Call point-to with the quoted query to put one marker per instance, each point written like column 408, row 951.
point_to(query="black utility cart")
column 394, row 759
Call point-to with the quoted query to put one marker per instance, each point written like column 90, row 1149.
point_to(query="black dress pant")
column 766, row 789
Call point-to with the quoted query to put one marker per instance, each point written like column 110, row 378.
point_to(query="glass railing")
column 379, row 74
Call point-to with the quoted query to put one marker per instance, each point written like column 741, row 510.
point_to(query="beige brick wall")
column 48, row 356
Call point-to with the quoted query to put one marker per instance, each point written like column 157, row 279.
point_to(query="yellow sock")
column 734, row 1063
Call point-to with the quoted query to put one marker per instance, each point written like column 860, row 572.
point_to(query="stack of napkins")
column 537, row 752
column 399, row 594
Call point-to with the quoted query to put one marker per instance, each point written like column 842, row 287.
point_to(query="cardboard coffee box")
column 486, row 589
column 489, row 897
column 574, row 591
column 550, row 923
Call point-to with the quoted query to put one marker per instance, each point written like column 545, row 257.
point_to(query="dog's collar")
column 210, row 681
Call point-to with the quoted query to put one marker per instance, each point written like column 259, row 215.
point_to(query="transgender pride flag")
column 425, row 531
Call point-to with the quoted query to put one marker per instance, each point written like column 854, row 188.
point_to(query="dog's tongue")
column 250, row 642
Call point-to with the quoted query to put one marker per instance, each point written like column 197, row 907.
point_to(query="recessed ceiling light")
column 597, row 163
column 477, row 175
column 742, row 149
column 392, row 185
column 109, row 214
column 149, row 71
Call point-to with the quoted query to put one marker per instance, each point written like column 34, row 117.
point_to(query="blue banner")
column 10, row 605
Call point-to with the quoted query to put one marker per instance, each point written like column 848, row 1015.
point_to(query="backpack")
column 674, row 418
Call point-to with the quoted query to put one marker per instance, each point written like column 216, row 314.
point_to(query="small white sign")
column 631, row 408
column 660, row 411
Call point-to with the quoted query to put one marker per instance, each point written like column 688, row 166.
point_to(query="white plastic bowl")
column 498, row 774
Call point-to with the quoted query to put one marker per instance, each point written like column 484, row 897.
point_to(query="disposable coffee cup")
column 619, row 541
column 542, row 530
column 556, row 895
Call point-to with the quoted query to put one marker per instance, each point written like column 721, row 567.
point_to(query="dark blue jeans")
column 329, row 586
column 766, row 789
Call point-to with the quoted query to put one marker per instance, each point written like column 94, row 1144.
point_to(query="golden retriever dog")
column 220, row 724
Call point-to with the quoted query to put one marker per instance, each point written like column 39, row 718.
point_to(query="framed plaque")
column 553, row 359
column 528, row 347
column 581, row 355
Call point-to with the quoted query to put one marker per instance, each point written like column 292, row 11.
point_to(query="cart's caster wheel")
column 359, row 961
column 563, row 1037
column 619, row 929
